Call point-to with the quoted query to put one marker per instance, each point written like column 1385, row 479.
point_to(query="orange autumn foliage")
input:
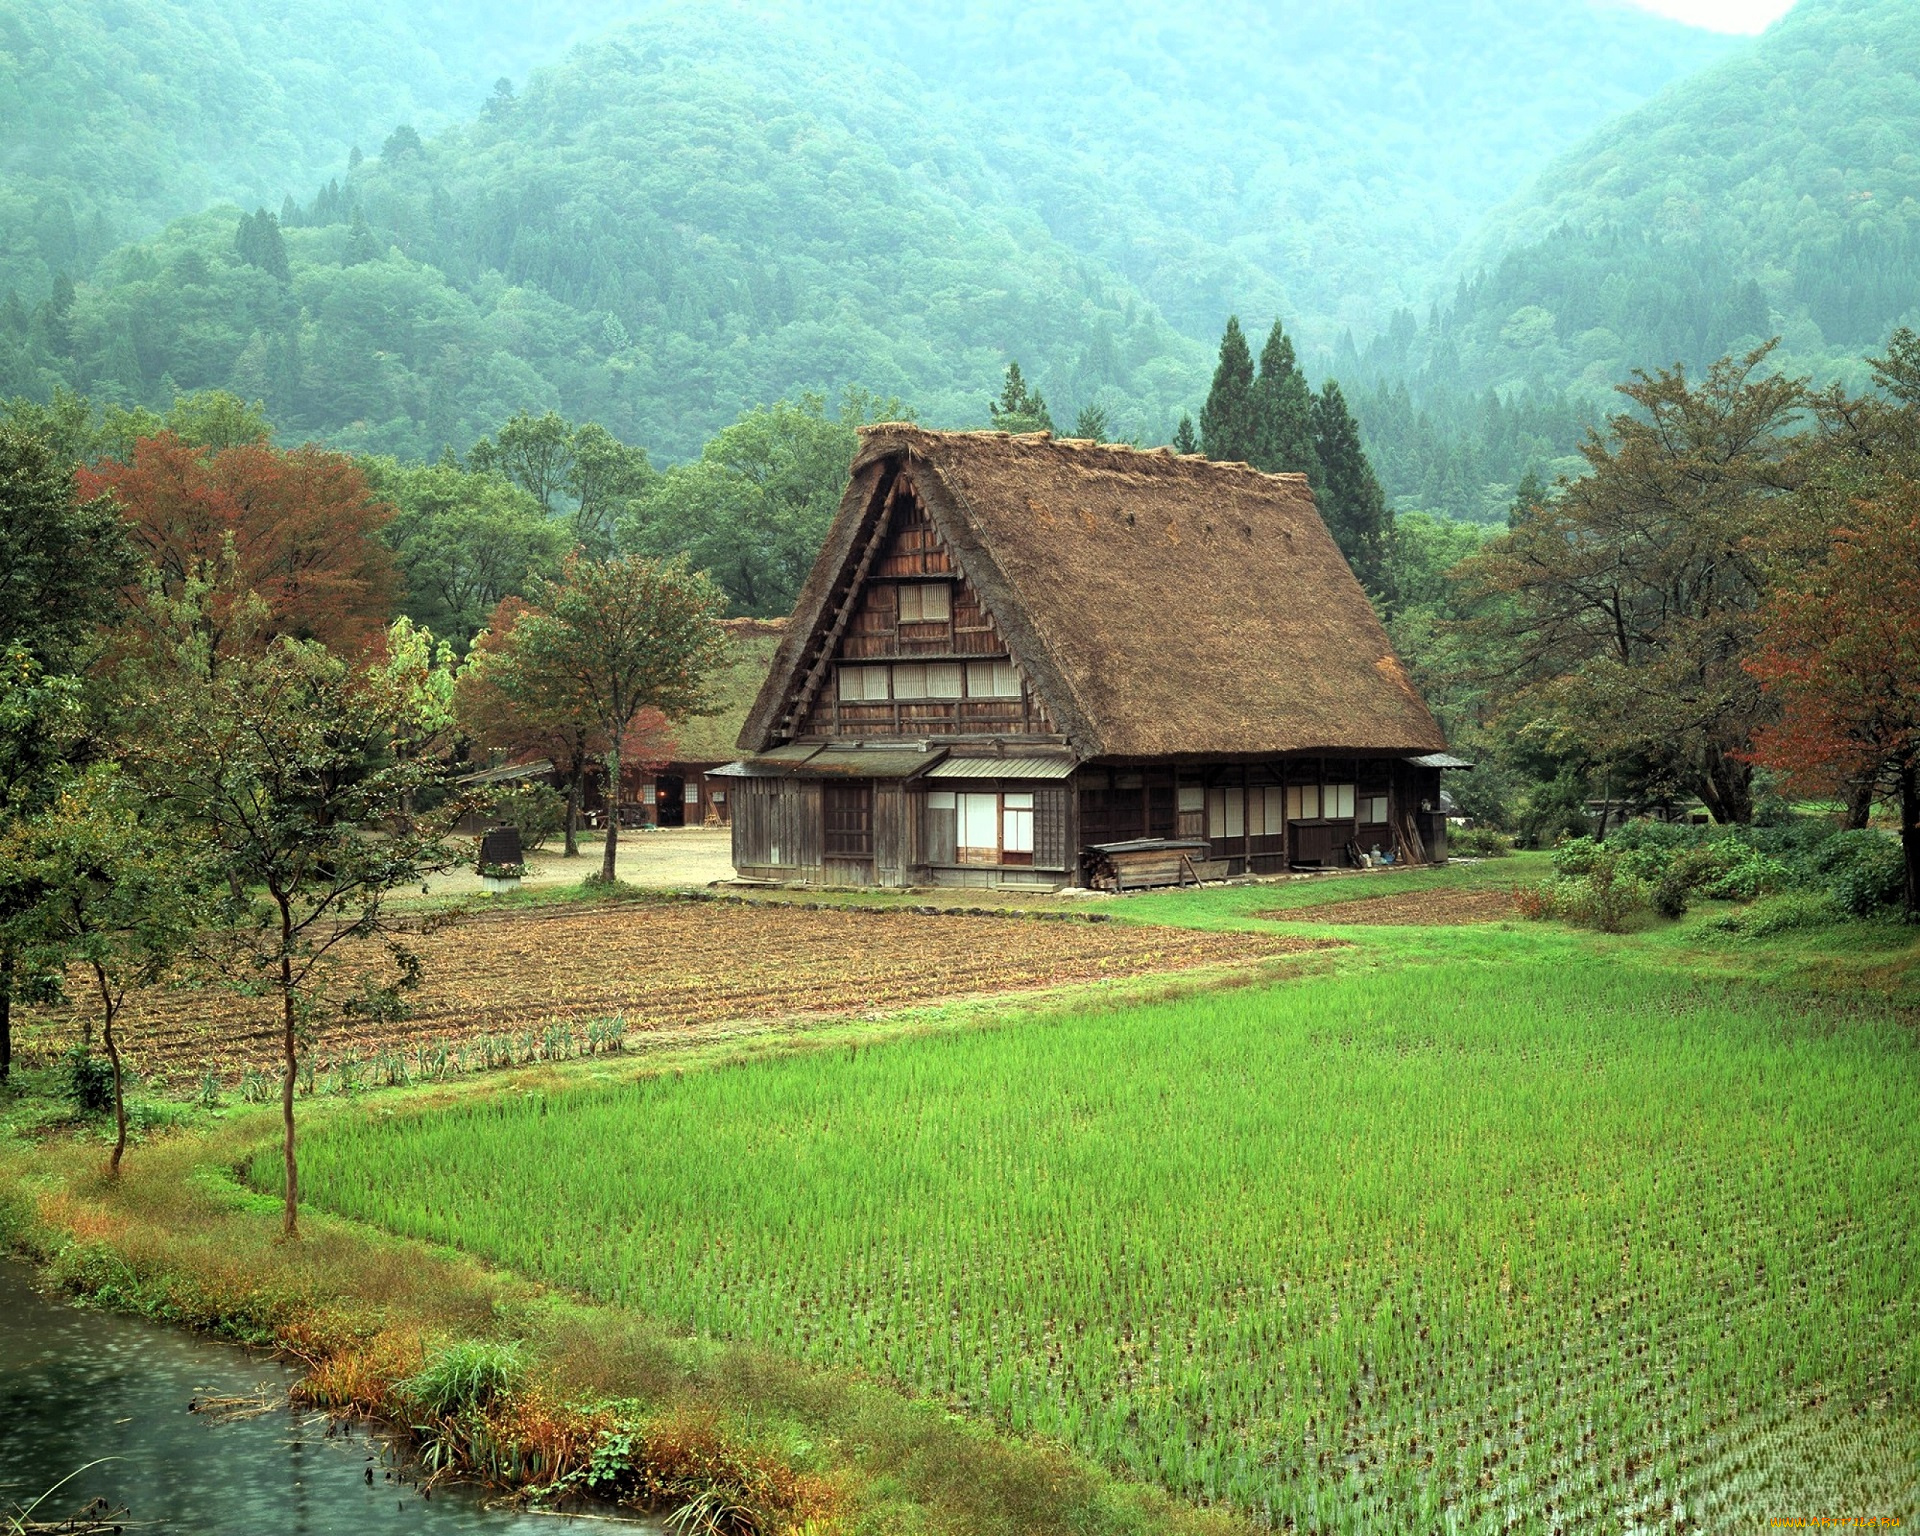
column 304, row 529
column 1839, row 650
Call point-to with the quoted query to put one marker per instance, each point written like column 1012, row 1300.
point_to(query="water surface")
column 77, row 1385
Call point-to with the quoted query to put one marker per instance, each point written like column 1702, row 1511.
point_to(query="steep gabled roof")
column 1163, row 605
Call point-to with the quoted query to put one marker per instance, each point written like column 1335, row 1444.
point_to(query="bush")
column 1595, row 886
column 1782, row 914
column 1478, row 843
column 1555, row 810
column 467, row 1374
column 87, row 1080
column 537, row 811
column 1685, row 873
column 1844, row 873
column 1575, row 857
column 1862, row 871
column 1747, row 874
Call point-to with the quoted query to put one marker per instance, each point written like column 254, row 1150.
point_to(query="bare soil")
column 671, row 967
column 1408, row 909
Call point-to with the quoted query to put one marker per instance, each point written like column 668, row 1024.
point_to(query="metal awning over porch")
column 1004, row 768
column 803, row 761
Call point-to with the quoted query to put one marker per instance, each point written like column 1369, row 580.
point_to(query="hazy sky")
column 1721, row 15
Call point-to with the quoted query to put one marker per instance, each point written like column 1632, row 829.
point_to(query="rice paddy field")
column 1454, row 1244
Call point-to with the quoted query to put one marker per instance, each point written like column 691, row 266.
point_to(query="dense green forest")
column 1776, row 192
column 118, row 117
column 713, row 208
column 725, row 205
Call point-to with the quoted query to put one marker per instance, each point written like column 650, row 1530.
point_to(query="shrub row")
column 1828, row 873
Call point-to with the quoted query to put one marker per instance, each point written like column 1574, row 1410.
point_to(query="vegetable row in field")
column 673, row 965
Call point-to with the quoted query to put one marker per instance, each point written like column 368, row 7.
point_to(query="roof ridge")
column 1163, row 455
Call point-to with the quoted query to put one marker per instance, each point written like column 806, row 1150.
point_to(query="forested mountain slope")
column 1777, row 191
column 692, row 217
column 115, row 117
column 1313, row 160
column 1320, row 159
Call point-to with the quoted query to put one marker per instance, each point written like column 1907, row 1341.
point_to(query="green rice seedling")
column 1456, row 1245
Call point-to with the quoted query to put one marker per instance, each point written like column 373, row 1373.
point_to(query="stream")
column 78, row 1385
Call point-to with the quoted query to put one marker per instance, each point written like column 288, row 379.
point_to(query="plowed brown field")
column 674, row 967
column 1408, row 909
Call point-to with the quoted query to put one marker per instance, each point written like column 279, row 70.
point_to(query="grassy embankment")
column 1503, row 1217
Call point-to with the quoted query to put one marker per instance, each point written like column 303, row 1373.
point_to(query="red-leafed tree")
column 1839, row 649
column 507, row 705
column 302, row 527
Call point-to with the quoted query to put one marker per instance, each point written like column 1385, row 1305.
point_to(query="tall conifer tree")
column 1283, row 434
column 1226, row 420
column 1350, row 496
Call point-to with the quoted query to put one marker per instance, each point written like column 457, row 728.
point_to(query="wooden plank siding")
column 879, row 833
column 910, row 553
column 777, row 827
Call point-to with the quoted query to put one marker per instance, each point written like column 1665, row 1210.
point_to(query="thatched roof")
column 1162, row 605
column 710, row 738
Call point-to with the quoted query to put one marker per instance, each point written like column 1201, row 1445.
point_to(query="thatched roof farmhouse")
column 1017, row 657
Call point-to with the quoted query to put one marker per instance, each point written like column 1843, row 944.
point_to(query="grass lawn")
column 1496, row 1227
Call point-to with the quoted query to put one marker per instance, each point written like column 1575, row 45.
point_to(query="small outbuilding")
column 1022, row 661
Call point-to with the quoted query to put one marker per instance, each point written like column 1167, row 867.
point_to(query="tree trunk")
column 290, row 1211
column 573, row 813
column 6, row 1014
column 1727, row 788
column 107, row 1011
column 610, row 854
column 1606, row 812
column 1859, row 800
column 1910, row 834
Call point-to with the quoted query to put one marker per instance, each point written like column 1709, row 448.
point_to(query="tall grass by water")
column 1455, row 1243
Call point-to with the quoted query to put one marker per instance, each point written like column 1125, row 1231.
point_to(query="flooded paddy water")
column 79, row 1386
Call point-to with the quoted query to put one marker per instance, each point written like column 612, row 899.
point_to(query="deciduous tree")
column 507, row 705
column 63, row 559
column 1839, row 649
column 1621, row 609
column 42, row 726
column 116, row 891
column 625, row 636
column 302, row 526
column 753, row 509
column 63, row 552
column 463, row 540
column 291, row 766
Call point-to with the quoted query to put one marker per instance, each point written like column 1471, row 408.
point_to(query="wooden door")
column 847, row 824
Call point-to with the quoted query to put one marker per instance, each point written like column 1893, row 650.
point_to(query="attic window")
column 992, row 680
column 927, row 680
column 926, row 603
column 862, row 684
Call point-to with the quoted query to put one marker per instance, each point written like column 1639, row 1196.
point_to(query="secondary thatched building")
column 1016, row 656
